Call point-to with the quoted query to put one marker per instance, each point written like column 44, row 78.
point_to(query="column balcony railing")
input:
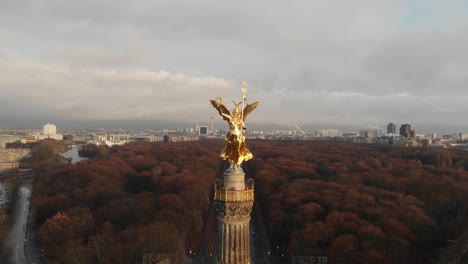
column 232, row 195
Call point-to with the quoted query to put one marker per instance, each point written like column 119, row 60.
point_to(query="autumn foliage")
column 44, row 153
column 353, row 203
column 139, row 200
column 360, row 203
column 93, row 150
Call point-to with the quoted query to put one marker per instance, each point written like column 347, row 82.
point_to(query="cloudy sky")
column 315, row 63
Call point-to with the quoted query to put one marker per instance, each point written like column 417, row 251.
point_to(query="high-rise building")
column 405, row 130
column 49, row 130
column 203, row 130
column 391, row 128
column 413, row 133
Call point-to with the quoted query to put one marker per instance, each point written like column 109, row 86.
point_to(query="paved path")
column 16, row 239
column 20, row 241
column 2, row 194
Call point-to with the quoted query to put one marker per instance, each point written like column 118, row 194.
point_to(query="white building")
column 329, row 133
column 370, row 133
column 49, row 130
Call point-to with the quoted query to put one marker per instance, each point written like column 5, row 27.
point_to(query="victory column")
column 233, row 195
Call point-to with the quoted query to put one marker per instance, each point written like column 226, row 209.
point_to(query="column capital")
column 234, row 210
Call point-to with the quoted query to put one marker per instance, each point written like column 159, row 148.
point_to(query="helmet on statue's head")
column 236, row 110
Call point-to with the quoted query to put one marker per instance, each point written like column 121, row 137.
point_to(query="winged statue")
column 235, row 151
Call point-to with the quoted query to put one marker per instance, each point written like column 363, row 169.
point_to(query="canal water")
column 73, row 154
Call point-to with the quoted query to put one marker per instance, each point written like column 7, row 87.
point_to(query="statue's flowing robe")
column 236, row 151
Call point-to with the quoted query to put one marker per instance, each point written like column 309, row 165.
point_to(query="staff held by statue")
column 244, row 91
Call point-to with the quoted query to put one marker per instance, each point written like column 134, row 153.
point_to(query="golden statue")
column 235, row 151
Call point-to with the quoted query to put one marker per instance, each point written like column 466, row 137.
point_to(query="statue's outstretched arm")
column 226, row 116
column 222, row 110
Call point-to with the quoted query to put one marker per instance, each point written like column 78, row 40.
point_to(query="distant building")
column 137, row 138
column 10, row 158
column 463, row 136
column 413, row 133
column 449, row 136
column 203, row 130
column 49, row 130
column 28, row 139
column 391, row 128
column 369, row 133
column 329, row 133
column 8, row 139
column 116, row 139
column 180, row 138
column 405, row 130
column 366, row 140
column 413, row 143
column 79, row 139
column 426, row 142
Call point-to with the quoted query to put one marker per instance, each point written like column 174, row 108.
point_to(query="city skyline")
column 220, row 126
column 314, row 64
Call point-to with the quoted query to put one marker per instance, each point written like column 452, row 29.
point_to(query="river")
column 73, row 154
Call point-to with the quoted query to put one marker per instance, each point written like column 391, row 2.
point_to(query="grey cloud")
column 418, row 62
column 99, row 57
column 308, row 62
column 81, row 93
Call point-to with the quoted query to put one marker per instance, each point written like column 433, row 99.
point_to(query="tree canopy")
column 137, row 201
column 348, row 201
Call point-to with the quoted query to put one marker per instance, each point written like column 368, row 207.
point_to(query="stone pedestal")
column 234, row 179
column 234, row 201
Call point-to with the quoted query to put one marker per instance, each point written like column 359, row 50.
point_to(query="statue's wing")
column 222, row 110
column 249, row 108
